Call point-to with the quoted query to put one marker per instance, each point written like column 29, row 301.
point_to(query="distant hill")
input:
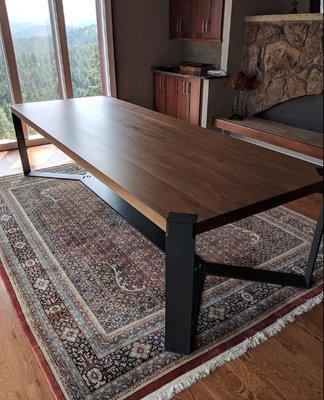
column 32, row 31
column 25, row 30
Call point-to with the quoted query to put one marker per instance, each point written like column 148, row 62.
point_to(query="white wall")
column 141, row 39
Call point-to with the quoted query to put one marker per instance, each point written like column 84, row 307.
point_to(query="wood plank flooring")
column 287, row 366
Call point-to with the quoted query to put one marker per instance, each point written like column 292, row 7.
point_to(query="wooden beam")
column 10, row 62
column 9, row 55
column 106, row 47
column 61, row 48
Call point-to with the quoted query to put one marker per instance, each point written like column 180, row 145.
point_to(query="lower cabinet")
column 164, row 94
column 177, row 97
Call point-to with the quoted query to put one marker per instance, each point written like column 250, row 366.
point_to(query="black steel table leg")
column 183, row 284
column 21, row 143
column 314, row 249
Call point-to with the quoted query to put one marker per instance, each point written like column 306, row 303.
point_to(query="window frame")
column 61, row 54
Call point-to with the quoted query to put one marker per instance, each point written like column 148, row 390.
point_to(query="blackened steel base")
column 185, row 270
column 155, row 234
column 183, row 284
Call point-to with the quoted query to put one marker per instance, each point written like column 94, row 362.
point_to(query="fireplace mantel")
column 284, row 17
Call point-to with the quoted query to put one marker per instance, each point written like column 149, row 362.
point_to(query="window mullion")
column 61, row 48
column 10, row 59
column 106, row 47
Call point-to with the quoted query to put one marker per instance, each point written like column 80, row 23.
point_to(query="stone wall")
column 286, row 60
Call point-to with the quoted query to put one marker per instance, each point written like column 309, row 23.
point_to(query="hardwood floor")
column 39, row 157
column 287, row 366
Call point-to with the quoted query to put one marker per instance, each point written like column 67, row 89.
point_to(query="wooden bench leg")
column 184, row 284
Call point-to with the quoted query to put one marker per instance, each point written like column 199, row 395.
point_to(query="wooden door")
column 187, row 99
column 182, row 18
column 209, row 19
column 164, row 94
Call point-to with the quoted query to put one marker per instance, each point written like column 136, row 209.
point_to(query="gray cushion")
column 304, row 112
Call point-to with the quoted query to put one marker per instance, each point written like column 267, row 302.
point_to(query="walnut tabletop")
column 160, row 165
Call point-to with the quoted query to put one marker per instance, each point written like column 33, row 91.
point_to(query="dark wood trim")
column 315, row 6
column 196, row 40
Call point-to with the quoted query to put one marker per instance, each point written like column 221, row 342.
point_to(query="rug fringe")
column 186, row 380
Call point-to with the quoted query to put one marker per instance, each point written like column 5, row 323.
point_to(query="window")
column 6, row 127
column 82, row 38
column 52, row 47
column 34, row 50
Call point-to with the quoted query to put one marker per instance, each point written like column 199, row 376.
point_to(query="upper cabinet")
column 182, row 18
column 209, row 18
column 196, row 19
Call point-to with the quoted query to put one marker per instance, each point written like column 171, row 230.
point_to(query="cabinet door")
column 187, row 99
column 209, row 19
column 159, row 95
column 182, row 18
column 164, row 94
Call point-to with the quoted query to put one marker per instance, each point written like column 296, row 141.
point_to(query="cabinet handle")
column 188, row 87
column 207, row 25
column 180, row 25
column 203, row 27
column 162, row 84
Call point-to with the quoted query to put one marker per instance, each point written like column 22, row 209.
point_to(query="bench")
column 295, row 139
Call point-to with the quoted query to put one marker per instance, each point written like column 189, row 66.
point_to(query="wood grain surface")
column 161, row 165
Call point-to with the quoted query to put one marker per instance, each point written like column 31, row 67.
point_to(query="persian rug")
column 90, row 290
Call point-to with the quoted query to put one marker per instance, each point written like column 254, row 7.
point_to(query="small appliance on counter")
column 195, row 68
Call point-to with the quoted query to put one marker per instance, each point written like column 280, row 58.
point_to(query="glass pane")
column 6, row 127
column 82, row 37
column 34, row 49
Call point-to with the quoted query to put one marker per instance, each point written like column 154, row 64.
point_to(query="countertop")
column 174, row 70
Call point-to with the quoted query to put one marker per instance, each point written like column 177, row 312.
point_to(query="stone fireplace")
column 284, row 54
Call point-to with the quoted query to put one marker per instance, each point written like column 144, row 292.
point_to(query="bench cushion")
column 304, row 112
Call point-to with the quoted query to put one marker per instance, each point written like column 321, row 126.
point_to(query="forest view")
column 37, row 69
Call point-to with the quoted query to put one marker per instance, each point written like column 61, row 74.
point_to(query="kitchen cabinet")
column 196, row 19
column 182, row 18
column 164, row 94
column 178, row 97
column 187, row 99
column 209, row 17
